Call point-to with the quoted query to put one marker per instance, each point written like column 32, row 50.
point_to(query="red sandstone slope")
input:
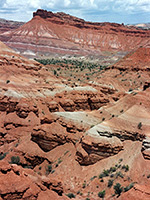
column 139, row 59
column 51, row 32
column 66, row 135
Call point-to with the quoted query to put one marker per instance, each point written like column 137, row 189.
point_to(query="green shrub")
column 118, row 189
column 126, row 167
column 110, row 183
column 70, row 195
column 93, row 178
column 119, row 174
column 120, row 160
column 48, row 169
column 113, row 169
column 101, row 175
column 2, row 156
column 139, row 125
column 128, row 187
column 15, row 160
column 55, row 72
column 106, row 172
column 101, row 194
column 84, row 185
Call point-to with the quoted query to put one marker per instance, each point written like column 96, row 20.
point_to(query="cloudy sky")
column 120, row 11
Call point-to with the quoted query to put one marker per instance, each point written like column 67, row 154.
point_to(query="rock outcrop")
column 94, row 148
column 48, row 136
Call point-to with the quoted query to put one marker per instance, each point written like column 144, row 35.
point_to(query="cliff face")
column 51, row 32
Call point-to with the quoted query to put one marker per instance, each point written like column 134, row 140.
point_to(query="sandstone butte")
column 62, row 141
column 50, row 33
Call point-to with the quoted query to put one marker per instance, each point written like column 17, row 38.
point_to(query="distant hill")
column 7, row 25
column 144, row 26
column 59, row 33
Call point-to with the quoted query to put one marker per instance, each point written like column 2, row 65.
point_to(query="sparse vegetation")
column 73, row 67
column 118, row 189
column 70, row 195
column 84, row 184
column 128, row 187
column 48, row 169
column 8, row 81
column 110, row 183
column 139, row 125
column 119, row 174
column 3, row 155
column 126, row 167
column 15, row 160
column 101, row 194
column 93, row 178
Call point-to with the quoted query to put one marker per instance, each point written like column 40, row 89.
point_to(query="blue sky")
column 120, row 11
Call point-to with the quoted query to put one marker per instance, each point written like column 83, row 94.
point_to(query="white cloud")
column 88, row 9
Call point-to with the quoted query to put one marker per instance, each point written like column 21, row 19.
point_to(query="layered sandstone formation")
column 58, row 139
column 8, row 25
column 49, row 33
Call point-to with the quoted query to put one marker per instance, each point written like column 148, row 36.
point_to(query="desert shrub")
column 84, row 185
column 118, row 189
column 106, row 172
column 128, row 187
column 70, row 195
column 101, row 194
column 15, row 160
column 48, row 169
column 126, row 167
column 139, row 125
column 119, row 174
column 59, row 160
column 55, row 72
column 148, row 176
column 52, row 171
column 8, row 81
column 110, row 183
column 93, row 178
column 2, row 156
column 113, row 169
column 112, row 175
column 101, row 175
